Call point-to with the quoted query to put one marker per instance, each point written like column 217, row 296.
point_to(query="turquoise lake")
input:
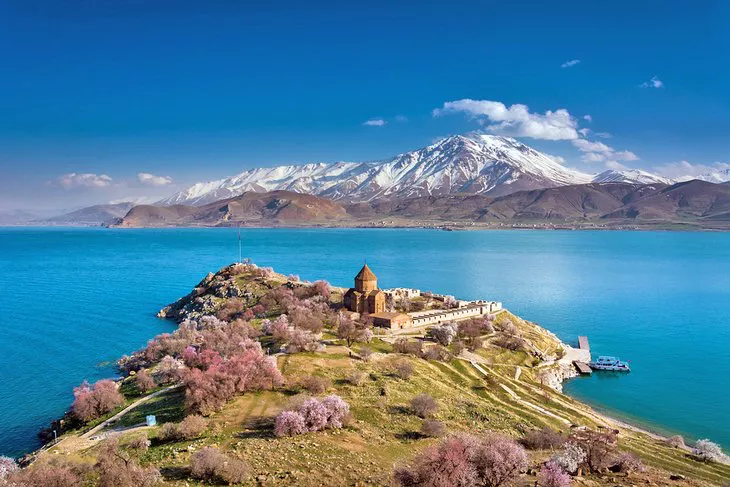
column 74, row 300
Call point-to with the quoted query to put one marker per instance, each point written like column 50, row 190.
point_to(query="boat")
column 610, row 363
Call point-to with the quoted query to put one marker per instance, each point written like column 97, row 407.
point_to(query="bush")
column 191, row 427
column 433, row 428
column 117, row 469
column 93, row 401
column 628, row 463
column 677, row 441
column 403, row 369
column 599, row 448
column 316, row 384
column 211, row 464
column 366, row 353
column 465, row 460
column 571, row 458
column 408, row 347
column 458, row 347
column 7, row 467
column 437, row 352
column 424, row 405
column 356, row 378
column 144, row 381
column 544, row 439
column 45, row 475
column 312, row 415
column 289, row 423
column 443, row 334
column 510, row 342
column 139, row 443
column 710, row 452
column 552, row 475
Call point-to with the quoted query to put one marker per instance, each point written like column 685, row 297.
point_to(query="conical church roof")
column 366, row 274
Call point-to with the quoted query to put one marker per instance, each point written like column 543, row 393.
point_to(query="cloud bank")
column 84, row 180
column 148, row 179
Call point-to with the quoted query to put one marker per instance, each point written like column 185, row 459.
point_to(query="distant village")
column 404, row 308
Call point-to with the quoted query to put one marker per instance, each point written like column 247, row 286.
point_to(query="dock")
column 582, row 367
column 583, row 343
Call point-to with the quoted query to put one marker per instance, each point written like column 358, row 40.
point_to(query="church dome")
column 366, row 274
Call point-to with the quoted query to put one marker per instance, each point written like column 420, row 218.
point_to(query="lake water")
column 74, row 300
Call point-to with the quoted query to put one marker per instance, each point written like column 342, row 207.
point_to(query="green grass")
column 167, row 407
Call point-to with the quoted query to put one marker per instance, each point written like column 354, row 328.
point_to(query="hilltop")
column 499, row 374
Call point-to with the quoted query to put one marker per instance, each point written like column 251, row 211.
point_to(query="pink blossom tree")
column 337, row 410
column 552, row 475
column 289, row 423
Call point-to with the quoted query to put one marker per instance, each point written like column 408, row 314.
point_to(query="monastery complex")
column 366, row 298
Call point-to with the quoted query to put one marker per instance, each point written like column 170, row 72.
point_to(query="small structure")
column 582, row 367
column 392, row 320
column 365, row 297
column 151, row 420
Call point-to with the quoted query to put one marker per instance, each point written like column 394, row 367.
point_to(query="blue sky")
column 182, row 91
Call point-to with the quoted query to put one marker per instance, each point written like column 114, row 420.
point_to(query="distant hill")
column 693, row 202
column 92, row 215
column 272, row 208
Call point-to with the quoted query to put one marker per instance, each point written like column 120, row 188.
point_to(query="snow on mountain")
column 631, row 176
column 718, row 176
column 474, row 163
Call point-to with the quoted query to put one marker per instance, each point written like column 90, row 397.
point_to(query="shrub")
column 45, row 475
column 139, row 443
column 312, row 415
column 403, row 369
column 571, row 458
column 710, row 452
column 676, row 441
column 289, row 423
column 424, row 405
column 337, row 410
column 191, row 427
column 408, row 347
column 552, row 475
column 458, row 347
column 7, row 467
column 499, row 460
column 93, row 401
column 544, row 439
column 510, row 342
column 628, row 463
column 366, row 353
column 144, row 381
column 117, row 469
column 433, row 428
column 302, row 341
column 211, row 464
column 316, row 384
column 443, row 334
column 437, row 352
column 465, row 460
column 356, row 378
column 599, row 448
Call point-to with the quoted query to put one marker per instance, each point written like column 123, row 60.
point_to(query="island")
column 272, row 380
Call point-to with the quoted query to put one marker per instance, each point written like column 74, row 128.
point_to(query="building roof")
column 366, row 274
column 390, row 315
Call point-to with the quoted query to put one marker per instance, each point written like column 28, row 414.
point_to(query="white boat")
column 610, row 363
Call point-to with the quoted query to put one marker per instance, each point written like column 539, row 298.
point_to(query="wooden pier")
column 583, row 343
column 583, row 368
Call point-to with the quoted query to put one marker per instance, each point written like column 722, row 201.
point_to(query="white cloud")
column 615, row 165
column 584, row 132
column 558, row 159
column 654, row 82
column 151, row 180
column 570, row 64
column 603, row 135
column 516, row 120
column 588, row 117
column 685, row 169
column 595, row 151
column 375, row 122
column 84, row 180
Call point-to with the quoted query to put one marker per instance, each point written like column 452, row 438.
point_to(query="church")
column 365, row 297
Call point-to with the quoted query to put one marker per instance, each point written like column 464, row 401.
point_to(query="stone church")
column 365, row 297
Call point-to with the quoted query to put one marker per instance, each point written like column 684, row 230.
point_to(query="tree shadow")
column 409, row 436
column 260, row 427
column 399, row 410
column 175, row 473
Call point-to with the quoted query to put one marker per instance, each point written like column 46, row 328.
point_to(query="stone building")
column 392, row 320
column 365, row 297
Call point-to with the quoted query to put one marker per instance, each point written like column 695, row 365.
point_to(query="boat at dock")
column 610, row 363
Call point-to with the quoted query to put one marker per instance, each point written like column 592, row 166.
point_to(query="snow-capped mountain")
column 719, row 176
column 474, row 163
column 631, row 176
